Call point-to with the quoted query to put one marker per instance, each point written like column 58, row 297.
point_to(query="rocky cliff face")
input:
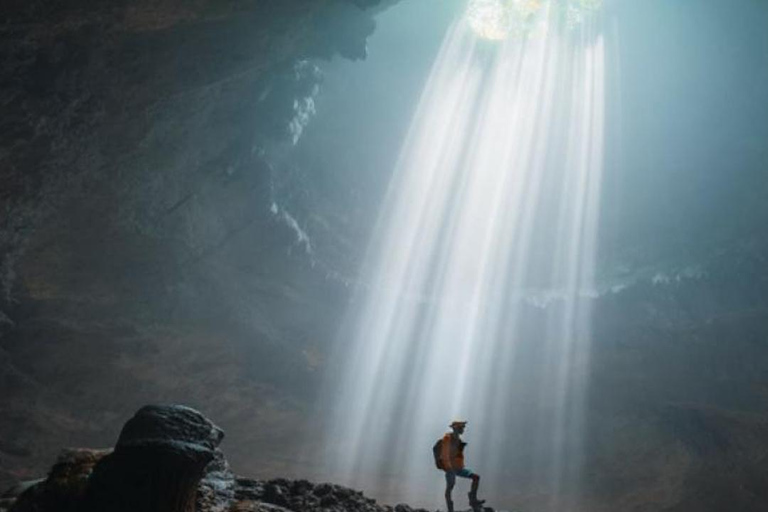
column 678, row 397
column 140, row 163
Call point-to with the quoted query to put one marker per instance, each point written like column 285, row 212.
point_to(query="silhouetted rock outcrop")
column 216, row 491
column 157, row 464
column 166, row 459
column 65, row 487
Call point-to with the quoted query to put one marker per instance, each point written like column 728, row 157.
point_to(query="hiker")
column 449, row 456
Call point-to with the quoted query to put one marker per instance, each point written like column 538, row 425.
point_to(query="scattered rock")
column 65, row 487
column 216, row 491
column 167, row 459
column 255, row 506
column 304, row 496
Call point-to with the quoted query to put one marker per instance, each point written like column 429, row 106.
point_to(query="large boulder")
column 161, row 456
column 157, row 464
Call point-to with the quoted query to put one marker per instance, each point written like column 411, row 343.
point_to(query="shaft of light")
column 482, row 269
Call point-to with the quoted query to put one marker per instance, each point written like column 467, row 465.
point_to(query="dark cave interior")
column 188, row 188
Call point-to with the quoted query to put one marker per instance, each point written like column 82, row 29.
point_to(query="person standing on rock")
column 449, row 457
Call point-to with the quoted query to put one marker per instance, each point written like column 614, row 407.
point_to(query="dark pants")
column 450, row 482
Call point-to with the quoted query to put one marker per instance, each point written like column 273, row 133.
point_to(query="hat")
column 458, row 423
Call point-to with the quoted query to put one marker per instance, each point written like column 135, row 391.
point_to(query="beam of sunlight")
column 481, row 270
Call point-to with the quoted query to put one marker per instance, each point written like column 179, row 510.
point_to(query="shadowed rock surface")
column 140, row 162
column 157, row 464
column 65, row 487
column 166, row 460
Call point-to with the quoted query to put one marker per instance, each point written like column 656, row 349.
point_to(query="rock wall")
column 140, row 145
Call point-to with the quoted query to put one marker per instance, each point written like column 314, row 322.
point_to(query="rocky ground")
column 167, row 459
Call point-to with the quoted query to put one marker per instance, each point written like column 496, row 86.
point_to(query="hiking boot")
column 474, row 502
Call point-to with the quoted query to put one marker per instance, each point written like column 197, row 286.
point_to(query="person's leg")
column 450, row 481
column 468, row 473
column 473, row 490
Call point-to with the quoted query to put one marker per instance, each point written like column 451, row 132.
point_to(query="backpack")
column 437, row 451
